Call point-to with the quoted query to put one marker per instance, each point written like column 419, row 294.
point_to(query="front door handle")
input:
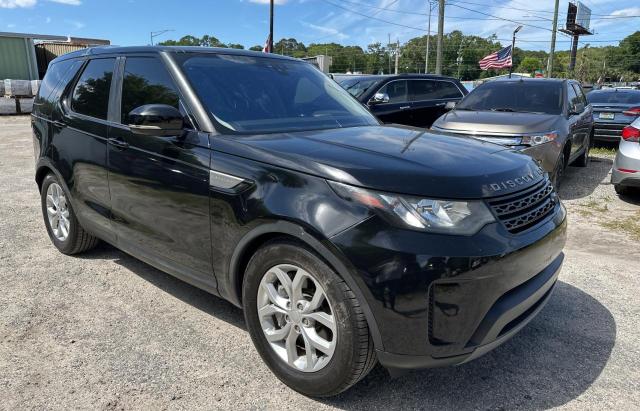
column 58, row 123
column 118, row 143
column 404, row 107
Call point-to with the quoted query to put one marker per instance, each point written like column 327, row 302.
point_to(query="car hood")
column 393, row 159
column 496, row 122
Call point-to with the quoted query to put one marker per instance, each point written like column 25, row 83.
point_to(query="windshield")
column 515, row 96
column 357, row 86
column 249, row 94
column 614, row 97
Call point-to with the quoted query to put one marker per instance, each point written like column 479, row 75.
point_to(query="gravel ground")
column 105, row 331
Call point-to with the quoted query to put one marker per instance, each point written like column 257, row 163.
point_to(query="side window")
column 91, row 94
column 146, row 81
column 57, row 77
column 397, row 91
column 572, row 97
column 446, row 89
column 581, row 97
column 421, row 90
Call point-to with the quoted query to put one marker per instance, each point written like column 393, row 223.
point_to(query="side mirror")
column 450, row 105
column 156, row 120
column 379, row 98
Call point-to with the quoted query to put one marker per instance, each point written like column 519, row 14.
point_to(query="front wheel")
column 305, row 321
column 584, row 159
column 559, row 171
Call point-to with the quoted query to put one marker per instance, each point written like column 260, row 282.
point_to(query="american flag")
column 267, row 45
column 499, row 59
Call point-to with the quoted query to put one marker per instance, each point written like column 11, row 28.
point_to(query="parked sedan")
column 410, row 99
column 613, row 110
column 548, row 119
column 626, row 167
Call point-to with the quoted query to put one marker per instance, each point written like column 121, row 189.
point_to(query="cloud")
column 631, row 11
column 68, row 2
column 12, row 4
column 326, row 30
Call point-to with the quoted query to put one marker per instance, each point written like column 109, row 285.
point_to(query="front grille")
column 522, row 210
column 608, row 130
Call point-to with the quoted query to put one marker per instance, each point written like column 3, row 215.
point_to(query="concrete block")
column 17, row 87
column 7, row 105
column 35, row 86
column 25, row 105
column 6, row 87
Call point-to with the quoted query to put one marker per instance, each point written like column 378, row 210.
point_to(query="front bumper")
column 441, row 299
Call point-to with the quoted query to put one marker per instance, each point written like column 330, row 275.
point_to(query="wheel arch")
column 287, row 231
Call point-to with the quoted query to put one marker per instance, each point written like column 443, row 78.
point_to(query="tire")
column 559, row 171
column 353, row 355
column 584, row 159
column 621, row 190
column 76, row 240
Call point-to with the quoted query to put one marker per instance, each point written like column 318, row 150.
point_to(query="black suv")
column 257, row 178
column 409, row 99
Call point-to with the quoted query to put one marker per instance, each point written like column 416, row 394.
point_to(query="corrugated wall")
column 45, row 52
column 14, row 59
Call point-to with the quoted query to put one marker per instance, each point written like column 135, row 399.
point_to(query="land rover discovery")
column 258, row 179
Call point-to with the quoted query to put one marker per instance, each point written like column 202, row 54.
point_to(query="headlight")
column 541, row 138
column 437, row 216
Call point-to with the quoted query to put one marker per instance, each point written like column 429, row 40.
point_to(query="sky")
column 349, row 22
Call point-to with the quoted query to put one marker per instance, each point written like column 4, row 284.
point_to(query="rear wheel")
column 62, row 225
column 621, row 190
column 305, row 321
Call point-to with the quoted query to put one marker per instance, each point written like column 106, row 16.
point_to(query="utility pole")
column 426, row 57
column 397, row 54
column 271, row 26
column 154, row 34
column 389, row 51
column 440, row 36
column 553, row 41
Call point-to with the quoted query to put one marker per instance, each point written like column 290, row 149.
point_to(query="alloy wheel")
column 58, row 212
column 296, row 317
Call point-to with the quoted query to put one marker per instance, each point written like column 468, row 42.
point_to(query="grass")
column 602, row 151
column 629, row 225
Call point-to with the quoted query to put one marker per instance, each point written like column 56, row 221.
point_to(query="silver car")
column 548, row 119
column 626, row 167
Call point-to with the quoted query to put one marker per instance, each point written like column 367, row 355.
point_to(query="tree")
column 236, row 46
column 255, row 48
column 529, row 65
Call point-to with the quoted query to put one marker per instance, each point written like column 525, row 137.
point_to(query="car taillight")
column 634, row 112
column 630, row 133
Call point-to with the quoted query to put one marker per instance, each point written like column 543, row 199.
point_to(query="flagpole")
column 513, row 48
column 271, row 27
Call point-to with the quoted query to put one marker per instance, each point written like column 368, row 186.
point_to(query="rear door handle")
column 118, row 143
column 404, row 107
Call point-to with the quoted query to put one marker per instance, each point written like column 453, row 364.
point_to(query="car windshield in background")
column 614, row 97
column 515, row 96
column 357, row 86
column 249, row 94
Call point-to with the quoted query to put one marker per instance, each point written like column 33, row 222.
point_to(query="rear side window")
column 421, row 90
column 581, row 97
column 57, row 76
column 572, row 96
column 397, row 91
column 146, row 81
column 446, row 89
column 91, row 93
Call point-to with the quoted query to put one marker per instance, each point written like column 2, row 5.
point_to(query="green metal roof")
column 17, row 59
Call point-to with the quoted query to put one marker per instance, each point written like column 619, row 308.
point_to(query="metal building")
column 25, row 56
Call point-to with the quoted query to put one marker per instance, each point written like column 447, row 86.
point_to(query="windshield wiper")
column 505, row 109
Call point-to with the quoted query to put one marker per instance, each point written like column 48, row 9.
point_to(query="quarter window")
column 146, row 81
column 397, row 91
column 91, row 93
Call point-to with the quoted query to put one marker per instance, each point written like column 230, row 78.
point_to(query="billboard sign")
column 578, row 18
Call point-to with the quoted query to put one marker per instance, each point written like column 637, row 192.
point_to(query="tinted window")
column 53, row 84
column 146, row 81
column 518, row 96
column 446, row 89
column 357, row 86
column 572, row 97
column 614, row 97
column 260, row 94
column 397, row 91
column 91, row 94
column 422, row 90
column 581, row 98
